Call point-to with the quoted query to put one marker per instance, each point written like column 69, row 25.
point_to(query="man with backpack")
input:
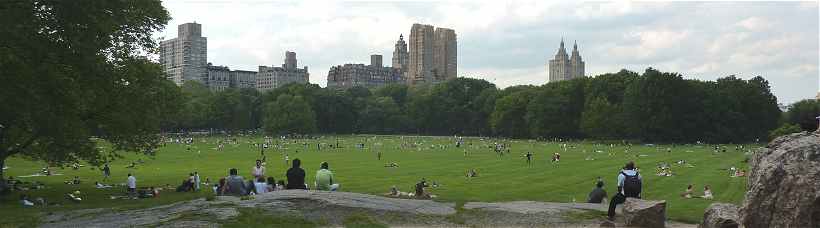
column 629, row 185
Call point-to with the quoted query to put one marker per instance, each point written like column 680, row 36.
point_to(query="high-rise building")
column 433, row 54
column 563, row 67
column 421, row 54
column 274, row 77
column 373, row 75
column 444, row 54
column 400, row 55
column 185, row 58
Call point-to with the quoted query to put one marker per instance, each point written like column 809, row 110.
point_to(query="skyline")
column 509, row 43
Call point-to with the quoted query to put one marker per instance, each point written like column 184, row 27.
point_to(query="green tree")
column 289, row 115
column 508, row 117
column 786, row 129
column 803, row 114
column 74, row 71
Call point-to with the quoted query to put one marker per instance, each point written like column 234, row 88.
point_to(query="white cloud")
column 755, row 24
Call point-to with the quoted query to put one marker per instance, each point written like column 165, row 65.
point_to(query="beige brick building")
column 433, row 54
column 563, row 67
column 273, row 77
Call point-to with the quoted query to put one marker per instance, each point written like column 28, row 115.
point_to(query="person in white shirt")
column 258, row 170
column 132, row 185
column 707, row 193
column 260, row 186
column 196, row 181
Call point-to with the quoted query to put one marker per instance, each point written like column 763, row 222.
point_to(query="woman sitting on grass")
column 688, row 193
column 707, row 193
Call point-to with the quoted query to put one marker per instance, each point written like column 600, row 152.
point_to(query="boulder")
column 783, row 189
column 644, row 213
column 721, row 215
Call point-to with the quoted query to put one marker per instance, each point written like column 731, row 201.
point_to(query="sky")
column 510, row 42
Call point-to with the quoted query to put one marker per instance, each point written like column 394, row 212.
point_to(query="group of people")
column 707, row 192
column 235, row 185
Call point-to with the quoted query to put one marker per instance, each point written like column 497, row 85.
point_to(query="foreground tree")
column 74, row 71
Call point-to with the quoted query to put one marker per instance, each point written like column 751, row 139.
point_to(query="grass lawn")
column 506, row 178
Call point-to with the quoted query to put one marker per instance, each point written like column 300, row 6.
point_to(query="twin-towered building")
column 564, row 67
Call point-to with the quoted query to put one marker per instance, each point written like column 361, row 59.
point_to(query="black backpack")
column 632, row 185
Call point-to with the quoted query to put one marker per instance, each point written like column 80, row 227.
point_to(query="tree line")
column 653, row 106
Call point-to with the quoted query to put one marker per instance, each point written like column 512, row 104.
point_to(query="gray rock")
column 644, row 213
column 357, row 200
column 607, row 223
column 783, row 189
column 530, row 207
column 721, row 215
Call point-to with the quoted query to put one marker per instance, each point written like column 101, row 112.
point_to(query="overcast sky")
column 509, row 42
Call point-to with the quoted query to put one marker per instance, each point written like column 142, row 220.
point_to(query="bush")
column 786, row 129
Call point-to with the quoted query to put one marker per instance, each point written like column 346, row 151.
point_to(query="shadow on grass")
column 362, row 221
column 254, row 217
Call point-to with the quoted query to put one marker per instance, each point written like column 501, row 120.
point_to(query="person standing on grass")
column 106, row 172
column 258, row 170
column 529, row 158
column 629, row 185
column 132, row 185
column 296, row 176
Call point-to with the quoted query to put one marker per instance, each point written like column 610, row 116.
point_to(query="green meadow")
column 500, row 178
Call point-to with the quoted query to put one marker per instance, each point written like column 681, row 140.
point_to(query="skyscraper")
column 444, row 54
column 400, row 55
column 563, row 67
column 185, row 58
column 421, row 54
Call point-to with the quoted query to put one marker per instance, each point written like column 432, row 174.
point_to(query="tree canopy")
column 75, row 71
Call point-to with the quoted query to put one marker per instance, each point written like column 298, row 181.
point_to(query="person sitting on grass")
column 598, row 194
column 100, row 185
column 75, row 197
column 391, row 165
column 324, row 179
column 420, row 193
column 296, row 176
column 235, row 184
column 688, row 193
column 219, row 188
column 271, row 184
column 25, row 201
column 280, row 185
column 707, row 193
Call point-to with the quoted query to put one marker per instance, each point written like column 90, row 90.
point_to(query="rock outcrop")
column 721, row 215
column 783, row 189
column 644, row 213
